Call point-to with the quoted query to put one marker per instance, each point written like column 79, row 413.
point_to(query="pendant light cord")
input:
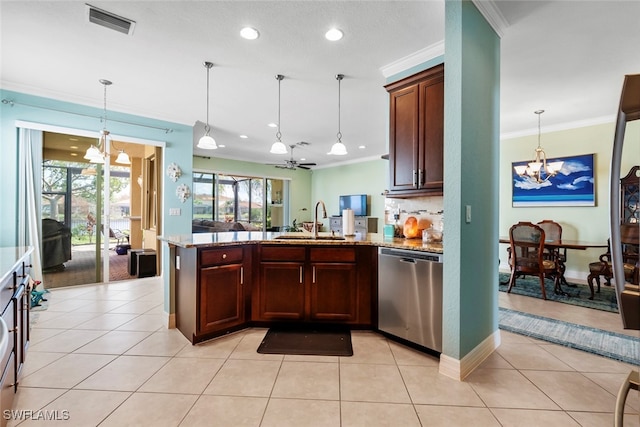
column 208, row 66
column 279, row 77
column 339, row 77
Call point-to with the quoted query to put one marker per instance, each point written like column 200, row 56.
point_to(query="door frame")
column 96, row 134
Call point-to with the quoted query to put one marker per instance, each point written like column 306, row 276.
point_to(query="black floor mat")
column 311, row 341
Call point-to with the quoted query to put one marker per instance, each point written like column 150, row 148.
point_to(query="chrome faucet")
column 315, row 217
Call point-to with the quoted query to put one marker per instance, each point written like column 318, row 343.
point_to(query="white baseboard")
column 573, row 276
column 459, row 369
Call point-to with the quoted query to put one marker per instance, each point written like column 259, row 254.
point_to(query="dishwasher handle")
column 408, row 260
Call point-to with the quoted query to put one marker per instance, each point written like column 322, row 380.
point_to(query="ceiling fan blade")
column 302, row 166
column 306, row 164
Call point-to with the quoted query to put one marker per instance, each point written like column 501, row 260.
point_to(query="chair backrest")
column 527, row 244
column 552, row 230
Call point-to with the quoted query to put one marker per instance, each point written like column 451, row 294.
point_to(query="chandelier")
column 206, row 141
column 338, row 147
column 98, row 154
column 278, row 147
column 539, row 170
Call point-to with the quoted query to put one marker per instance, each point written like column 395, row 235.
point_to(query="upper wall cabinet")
column 416, row 142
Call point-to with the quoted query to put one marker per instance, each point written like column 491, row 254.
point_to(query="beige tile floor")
column 100, row 356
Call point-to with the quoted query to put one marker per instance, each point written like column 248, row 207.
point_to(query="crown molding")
column 492, row 14
column 416, row 58
column 594, row 121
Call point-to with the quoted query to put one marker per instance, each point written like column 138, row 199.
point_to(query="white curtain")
column 29, row 192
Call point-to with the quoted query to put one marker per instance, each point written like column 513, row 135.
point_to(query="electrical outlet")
column 468, row 214
column 174, row 211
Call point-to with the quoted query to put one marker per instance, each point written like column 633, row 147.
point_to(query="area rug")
column 316, row 342
column 597, row 341
column 579, row 295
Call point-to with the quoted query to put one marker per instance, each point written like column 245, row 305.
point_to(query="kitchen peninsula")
column 229, row 281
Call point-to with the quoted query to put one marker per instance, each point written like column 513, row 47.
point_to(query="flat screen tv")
column 356, row 202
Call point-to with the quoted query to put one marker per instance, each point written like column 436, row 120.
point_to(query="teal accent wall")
column 178, row 149
column 471, row 152
column 300, row 180
column 369, row 178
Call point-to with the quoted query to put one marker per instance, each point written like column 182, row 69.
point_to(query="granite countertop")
column 305, row 238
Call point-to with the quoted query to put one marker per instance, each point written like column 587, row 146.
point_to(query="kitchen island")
column 233, row 280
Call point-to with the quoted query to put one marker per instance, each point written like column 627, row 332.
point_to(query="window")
column 256, row 201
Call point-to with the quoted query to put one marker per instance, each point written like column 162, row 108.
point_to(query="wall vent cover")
column 110, row 20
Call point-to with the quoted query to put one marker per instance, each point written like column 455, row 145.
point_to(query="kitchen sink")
column 307, row 237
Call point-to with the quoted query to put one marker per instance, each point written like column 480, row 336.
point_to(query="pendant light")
column 539, row 171
column 338, row 149
column 97, row 154
column 278, row 147
column 206, row 141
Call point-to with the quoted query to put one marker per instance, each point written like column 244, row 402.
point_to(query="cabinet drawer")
column 361, row 222
column 9, row 318
column 220, row 256
column 283, row 253
column 333, row 254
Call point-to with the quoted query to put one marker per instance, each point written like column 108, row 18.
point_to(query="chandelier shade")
column 98, row 153
column 278, row 147
column 206, row 141
column 338, row 148
column 539, row 170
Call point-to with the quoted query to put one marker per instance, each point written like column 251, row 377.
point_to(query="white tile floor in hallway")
column 100, row 356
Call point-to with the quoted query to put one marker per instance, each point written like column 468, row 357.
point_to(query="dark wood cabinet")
column 211, row 290
column 313, row 284
column 416, row 129
column 15, row 304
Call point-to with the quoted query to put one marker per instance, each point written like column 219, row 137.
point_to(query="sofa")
column 56, row 244
column 209, row 226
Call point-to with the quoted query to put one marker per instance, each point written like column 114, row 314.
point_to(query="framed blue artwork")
column 574, row 185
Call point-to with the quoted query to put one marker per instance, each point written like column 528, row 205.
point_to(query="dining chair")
column 526, row 241
column 602, row 267
column 553, row 231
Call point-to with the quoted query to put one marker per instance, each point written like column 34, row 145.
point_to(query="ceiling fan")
column 292, row 164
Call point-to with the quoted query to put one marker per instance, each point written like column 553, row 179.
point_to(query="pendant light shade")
column 123, row 158
column 338, row 148
column 206, row 141
column 278, row 147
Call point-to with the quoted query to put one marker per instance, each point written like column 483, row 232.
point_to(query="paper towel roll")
column 348, row 222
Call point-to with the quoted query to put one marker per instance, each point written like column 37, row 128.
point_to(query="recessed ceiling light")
column 221, row 145
column 249, row 33
column 302, row 159
column 362, row 147
column 244, row 136
column 74, row 154
column 333, row 34
column 272, row 125
column 73, row 139
column 73, row 147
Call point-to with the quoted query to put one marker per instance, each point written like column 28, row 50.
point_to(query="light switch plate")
column 468, row 214
column 174, row 211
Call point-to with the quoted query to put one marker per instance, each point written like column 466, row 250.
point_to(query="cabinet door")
column 281, row 291
column 221, row 297
column 333, row 292
column 431, row 148
column 403, row 138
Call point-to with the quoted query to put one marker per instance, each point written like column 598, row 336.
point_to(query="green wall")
column 588, row 223
column 370, row 177
column 471, row 151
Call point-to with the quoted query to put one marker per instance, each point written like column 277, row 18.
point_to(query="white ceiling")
column 566, row 57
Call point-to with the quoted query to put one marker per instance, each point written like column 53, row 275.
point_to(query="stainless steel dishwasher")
column 410, row 296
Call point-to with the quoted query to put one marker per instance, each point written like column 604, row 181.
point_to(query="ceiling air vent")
column 110, row 20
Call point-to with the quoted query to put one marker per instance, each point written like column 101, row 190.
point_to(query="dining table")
column 554, row 245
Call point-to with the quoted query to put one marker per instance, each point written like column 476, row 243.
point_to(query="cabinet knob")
column 224, row 256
